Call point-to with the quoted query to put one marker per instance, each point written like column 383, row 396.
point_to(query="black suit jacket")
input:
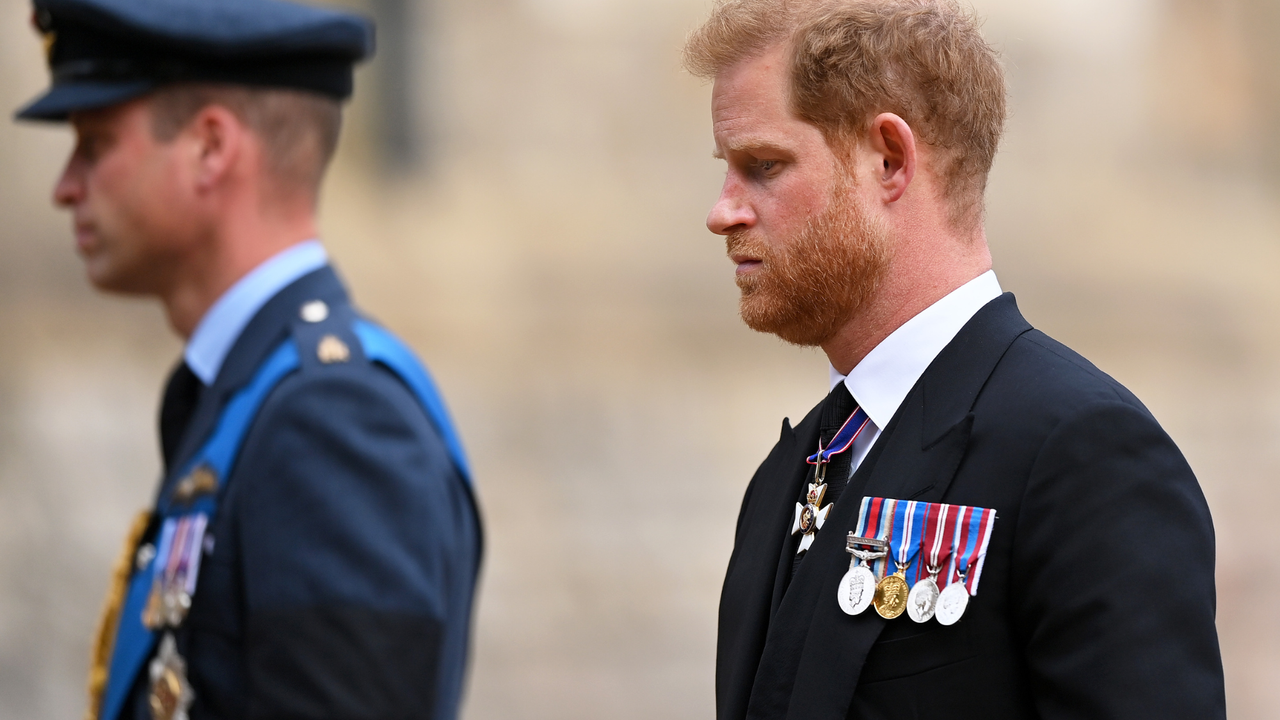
column 1097, row 596
column 346, row 543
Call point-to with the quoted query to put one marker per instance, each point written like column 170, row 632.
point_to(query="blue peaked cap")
column 104, row 52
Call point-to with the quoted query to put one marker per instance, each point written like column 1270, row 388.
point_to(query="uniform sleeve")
column 353, row 526
column 1113, row 575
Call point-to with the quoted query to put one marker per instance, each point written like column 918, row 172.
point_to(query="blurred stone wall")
column 544, row 249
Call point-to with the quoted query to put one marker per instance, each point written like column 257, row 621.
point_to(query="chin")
column 107, row 279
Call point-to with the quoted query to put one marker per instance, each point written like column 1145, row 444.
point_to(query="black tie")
column 837, row 408
column 180, row 398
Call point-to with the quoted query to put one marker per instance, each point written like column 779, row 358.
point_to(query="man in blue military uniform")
column 315, row 542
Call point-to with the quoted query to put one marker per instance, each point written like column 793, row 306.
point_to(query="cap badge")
column 42, row 21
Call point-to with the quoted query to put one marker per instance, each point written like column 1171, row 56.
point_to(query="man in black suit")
column 858, row 136
column 314, row 543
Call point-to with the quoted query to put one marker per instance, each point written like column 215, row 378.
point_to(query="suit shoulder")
column 1041, row 370
column 337, row 392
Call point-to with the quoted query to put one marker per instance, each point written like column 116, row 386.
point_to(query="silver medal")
column 922, row 602
column 857, row 588
column 951, row 603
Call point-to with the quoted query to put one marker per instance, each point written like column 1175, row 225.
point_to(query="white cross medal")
column 811, row 514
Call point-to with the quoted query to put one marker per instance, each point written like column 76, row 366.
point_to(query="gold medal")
column 891, row 595
column 171, row 693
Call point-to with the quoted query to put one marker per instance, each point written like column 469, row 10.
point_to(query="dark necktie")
column 180, row 398
column 837, row 408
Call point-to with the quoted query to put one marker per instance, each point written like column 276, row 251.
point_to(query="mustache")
column 745, row 242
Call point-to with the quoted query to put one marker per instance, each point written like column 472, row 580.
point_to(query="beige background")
column 549, row 259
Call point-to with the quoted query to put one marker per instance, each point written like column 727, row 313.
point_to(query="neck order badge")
column 926, row 542
column 811, row 514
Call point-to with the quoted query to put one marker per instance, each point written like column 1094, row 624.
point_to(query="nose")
column 731, row 212
column 69, row 190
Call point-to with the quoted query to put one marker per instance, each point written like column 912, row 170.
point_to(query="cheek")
column 157, row 196
column 794, row 204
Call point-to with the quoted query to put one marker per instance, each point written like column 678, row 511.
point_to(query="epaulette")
column 325, row 335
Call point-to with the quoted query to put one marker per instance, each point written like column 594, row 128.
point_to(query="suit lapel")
column 814, row 652
column 753, row 585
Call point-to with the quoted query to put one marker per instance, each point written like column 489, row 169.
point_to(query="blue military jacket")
column 339, row 579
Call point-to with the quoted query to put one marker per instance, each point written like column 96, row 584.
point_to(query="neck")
column 916, row 278
column 231, row 251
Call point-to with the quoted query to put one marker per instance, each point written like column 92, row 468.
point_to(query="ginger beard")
column 808, row 286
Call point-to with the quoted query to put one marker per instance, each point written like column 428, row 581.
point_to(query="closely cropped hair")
column 299, row 130
column 924, row 60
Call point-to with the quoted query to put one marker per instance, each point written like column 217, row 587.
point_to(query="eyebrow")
column 747, row 145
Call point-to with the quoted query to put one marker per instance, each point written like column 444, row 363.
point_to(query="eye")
column 766, row 168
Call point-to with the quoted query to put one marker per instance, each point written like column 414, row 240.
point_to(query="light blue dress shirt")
column 221, row 326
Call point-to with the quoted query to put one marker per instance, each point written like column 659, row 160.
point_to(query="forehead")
column 750, row 105
column 123, row 116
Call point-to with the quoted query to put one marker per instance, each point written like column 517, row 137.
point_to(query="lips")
column 745, row 263
column 86, row 239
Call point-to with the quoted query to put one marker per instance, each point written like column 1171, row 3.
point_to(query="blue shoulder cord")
column 134, row 642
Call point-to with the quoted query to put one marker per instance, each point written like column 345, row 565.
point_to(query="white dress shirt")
column 221, row 326
column 882, row 380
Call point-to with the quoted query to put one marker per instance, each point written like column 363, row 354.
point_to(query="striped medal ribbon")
column 904, row 542
column 922, row 602
column 811, row 514
column 970, row 536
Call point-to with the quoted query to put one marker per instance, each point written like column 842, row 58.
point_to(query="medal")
column 811, row 514
column 152, row 612
column 171, row 693
column 904, row 540
column 891, row 596
column 857, row 588
column 858, row 585
column 952, row 602
column 175, row 568
column 923, row 600
column 970, row 537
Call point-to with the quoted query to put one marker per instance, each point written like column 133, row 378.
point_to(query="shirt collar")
column 884, row 377
column 221, row 326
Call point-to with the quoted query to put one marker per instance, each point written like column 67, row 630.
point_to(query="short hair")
column 924, row 60
column 299, row 130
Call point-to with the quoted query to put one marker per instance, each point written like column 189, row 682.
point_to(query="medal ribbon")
column 875, row 520
column 843, row 439
column 986, row 521
column 908, row 528
column 934, row 541
column 971, row 536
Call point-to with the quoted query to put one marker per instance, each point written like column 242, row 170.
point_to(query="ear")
column 217, row 139
column 894, row 147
